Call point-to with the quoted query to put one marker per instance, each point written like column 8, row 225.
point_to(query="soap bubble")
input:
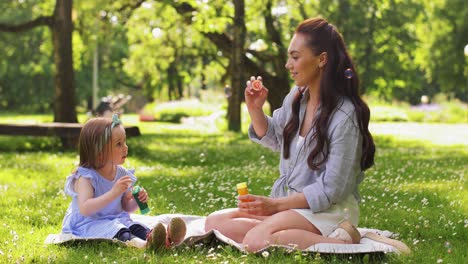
column 346, row 213
column 448, row 246
column 348, row 73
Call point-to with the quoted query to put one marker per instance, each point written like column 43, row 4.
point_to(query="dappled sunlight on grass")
column 419, row 191
column 441, row 186
column 416, row 189
column 25, row 119
column 25, row 143
column 161, row 169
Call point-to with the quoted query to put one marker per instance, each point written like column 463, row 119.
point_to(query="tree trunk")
column 171, row 86
column 237, row 62
column 368, row 63
column 278, row 85
column 64, row 102
column 180, row 86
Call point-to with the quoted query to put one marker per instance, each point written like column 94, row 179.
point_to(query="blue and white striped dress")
column 106, row 222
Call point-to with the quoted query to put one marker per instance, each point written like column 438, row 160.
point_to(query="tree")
column 443, row 34
column 237, row 64
column 61, row 25
column 402, row 49
column 267, row 63
column 165, row 52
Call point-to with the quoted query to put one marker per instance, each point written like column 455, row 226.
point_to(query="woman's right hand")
column 122, row 184
column 254, row 99
column 257, row 205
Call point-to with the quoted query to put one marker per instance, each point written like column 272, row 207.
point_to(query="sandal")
column 400, row 246
column 346, row 232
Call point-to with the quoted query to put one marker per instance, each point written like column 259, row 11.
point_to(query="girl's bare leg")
column 287, row 228
column 232, row 223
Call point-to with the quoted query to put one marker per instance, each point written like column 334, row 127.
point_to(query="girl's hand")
column 143, row 195
column 255, row 97
column 257, row 205
column 122, row 185
column 127, row 197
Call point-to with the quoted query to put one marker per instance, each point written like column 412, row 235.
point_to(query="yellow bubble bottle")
column 242, row 190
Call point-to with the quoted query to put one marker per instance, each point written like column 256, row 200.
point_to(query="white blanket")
column 196, row 234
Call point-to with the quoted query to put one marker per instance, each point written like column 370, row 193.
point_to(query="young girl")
column 101, row 191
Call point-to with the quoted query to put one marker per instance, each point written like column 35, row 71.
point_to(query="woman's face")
column 302, row 63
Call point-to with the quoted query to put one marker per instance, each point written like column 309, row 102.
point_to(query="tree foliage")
column 60, row 25
column 171, row 49
column 26, row 70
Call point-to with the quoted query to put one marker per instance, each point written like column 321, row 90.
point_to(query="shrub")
column 388, row 113
column 174, row 111
column 416, row 116
column 441, row 110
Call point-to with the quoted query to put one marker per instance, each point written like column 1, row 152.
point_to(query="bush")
column 457, row 112
column 388, row 114
column 416, row 116
column 446, row 112
column 174, row 111
column 441, row 110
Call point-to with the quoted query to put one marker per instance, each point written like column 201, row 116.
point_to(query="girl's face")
column 118, row 145
column 302, row 63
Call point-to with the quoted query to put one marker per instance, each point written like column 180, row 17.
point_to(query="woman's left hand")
column 257, row 205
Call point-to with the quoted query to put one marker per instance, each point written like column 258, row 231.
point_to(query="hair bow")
column 115, row 121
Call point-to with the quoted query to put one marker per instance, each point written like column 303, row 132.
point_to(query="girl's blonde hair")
column 94, row 136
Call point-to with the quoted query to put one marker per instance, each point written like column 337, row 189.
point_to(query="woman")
column 322, row 133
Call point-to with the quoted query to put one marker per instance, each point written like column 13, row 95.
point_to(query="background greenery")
column 174, row 111
column 403, row 48
column 163, row 50
column 417, row 189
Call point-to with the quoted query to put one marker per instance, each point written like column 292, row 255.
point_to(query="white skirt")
column 327, row 221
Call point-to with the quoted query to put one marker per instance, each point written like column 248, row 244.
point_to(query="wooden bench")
column 68, row 132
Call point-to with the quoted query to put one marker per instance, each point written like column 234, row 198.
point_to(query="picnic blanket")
column 196, row 234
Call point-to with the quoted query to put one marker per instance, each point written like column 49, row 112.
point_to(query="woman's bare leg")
column 287, row 228
column 232, row 223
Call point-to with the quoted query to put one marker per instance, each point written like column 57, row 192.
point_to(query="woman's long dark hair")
column 323, row 37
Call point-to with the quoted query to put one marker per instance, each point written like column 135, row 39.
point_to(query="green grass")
column 417, row 189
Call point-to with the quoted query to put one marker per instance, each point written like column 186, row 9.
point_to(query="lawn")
column 417, row 189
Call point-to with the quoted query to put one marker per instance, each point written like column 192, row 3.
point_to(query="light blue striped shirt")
column 338, row 177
